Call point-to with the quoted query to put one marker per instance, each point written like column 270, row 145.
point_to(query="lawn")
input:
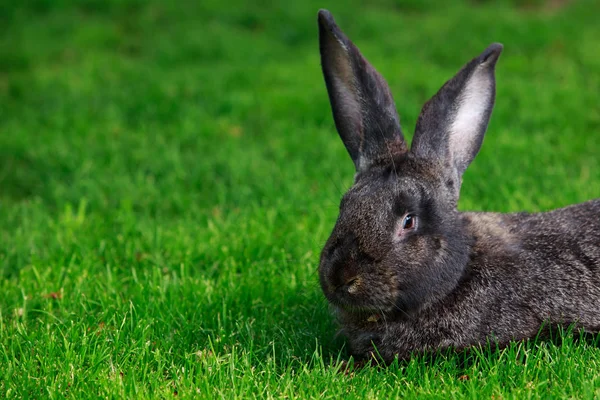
column 170, row 171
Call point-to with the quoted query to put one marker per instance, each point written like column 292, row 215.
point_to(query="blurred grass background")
column 170, row 171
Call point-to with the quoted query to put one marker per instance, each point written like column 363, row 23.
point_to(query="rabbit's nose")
column 351, row 285
column 342, row 274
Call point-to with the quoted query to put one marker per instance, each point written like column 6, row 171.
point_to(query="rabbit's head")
column 399, row 241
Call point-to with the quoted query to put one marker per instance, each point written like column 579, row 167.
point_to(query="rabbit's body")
column 508, row 290
column 403, row 268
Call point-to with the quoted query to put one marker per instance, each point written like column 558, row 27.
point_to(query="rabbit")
column 404, row 271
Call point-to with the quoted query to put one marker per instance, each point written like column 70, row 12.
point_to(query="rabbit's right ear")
column 363, row 108
column 452, row 124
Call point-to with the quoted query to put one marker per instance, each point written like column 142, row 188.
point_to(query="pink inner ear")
column 473, row 104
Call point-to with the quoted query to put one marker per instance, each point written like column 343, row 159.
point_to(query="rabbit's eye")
column 409, row 222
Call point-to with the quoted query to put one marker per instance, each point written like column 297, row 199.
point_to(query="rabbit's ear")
column 363, row 108
column 452, row 124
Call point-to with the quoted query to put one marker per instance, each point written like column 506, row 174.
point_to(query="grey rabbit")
column 404, row 270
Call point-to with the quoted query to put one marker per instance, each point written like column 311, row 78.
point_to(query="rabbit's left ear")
column 362, row 104
column 452, row 124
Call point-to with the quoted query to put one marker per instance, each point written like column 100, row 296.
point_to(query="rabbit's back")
column 544, row 267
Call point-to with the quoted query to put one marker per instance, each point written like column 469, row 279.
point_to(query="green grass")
column 170, row 171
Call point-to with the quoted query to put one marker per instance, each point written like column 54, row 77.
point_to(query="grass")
column 169, row 173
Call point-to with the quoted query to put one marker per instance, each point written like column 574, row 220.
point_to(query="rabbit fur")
column 403, row 269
